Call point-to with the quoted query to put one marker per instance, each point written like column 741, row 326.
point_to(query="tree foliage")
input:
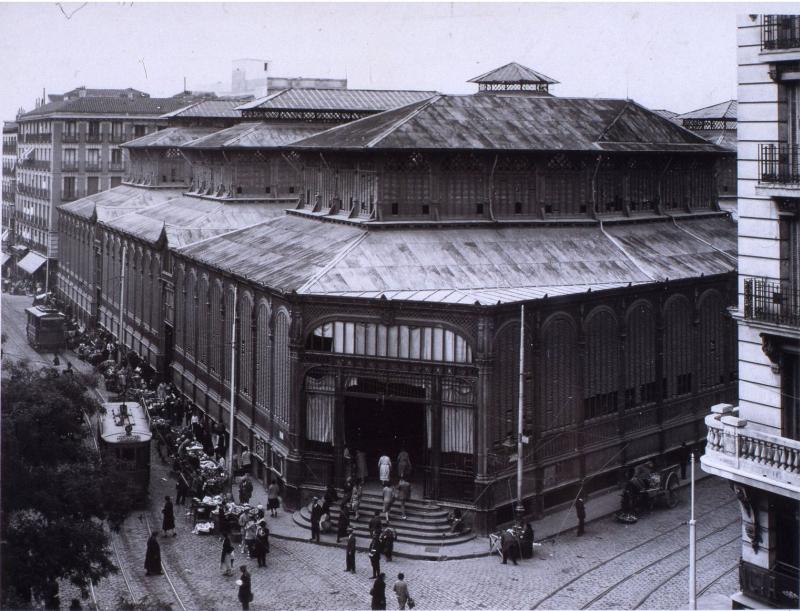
column 56, row 493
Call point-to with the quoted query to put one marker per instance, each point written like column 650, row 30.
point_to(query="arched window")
column 226, row 333
column 180, row 308
column 392, row 341
column 601, row 377
column 216, row 347
column 281, row 360
column 713, row 319
column 202, row 321
column 263, row 357
column 246, row 345
column 191, row 313
column 559, row 379
column 640, row 355
column 678, row 347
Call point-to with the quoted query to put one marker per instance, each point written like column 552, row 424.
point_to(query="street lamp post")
column 692, row 548
column 520, row 509
column 233, row 387
column 120, row 339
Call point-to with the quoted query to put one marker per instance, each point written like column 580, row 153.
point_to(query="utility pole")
column 520, row 507
column 692, row 548
column 233, row 386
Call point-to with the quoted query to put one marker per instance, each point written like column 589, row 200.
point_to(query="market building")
column 383, row 311
column 755, row 442
column 69, row 148
column 717, row 123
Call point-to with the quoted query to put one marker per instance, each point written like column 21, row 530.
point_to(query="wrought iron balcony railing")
column 116, row 166
column 117, row 138
column 779, row 164
column 772, row 301
column 94, row 137
column 9, row 149
column 69, row 166
column 70, row 138
column 780, row 32
column 94, row 166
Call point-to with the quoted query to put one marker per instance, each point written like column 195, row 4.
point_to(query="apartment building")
column 69, row 148
column 9, row 176
column 756, row 444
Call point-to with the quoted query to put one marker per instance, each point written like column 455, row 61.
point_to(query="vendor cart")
column 648, row 489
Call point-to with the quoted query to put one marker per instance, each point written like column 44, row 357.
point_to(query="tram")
column 46, row 328
column 123, row 431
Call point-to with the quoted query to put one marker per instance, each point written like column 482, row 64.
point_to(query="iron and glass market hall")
column 380, row 309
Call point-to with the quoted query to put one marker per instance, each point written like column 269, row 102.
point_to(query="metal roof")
column 107, row 106
column 374, row 100
column 186, row 219
column 667, row 114
column 468, row 264
column 170, row 137
column 208, row 109
column 726, row 138
column 10, row 127
column 512, row 73
column 723, row 110
column 533, row 123
column 256, row 135
column 118, row 201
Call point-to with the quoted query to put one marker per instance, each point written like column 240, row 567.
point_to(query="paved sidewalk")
column 559, row 520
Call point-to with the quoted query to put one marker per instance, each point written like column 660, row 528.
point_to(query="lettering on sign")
column 128, row 438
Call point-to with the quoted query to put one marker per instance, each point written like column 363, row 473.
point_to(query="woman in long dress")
column 361, row 463
column 152, row 558
column 385, row 469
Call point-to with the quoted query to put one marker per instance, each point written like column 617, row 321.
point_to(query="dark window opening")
column 548, row 209
column 582, row 209
column 291, row 189
column 649, row 392
column 321, row 343
column 479, row 209
column 268, row 189
column 426, row 209
column 395, row 209
column 517, row 207
column 683, row 383
column 238, row 190
column 600, row 405
column 630, row 398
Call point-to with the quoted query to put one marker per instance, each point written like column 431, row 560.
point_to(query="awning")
column 31, row 262
column 19, row 248
column 6, row 258
column 5, row 235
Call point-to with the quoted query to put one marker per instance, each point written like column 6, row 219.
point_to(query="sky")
column 674, row 56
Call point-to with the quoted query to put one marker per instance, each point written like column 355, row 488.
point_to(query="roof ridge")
column 400, row 122
column 345, row 251
column 613, row 121
column 728, row 102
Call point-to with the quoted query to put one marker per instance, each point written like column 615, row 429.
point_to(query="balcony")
column 778, row 164
column 780, row 32
column 69, row 196
column 94, row 137
column 29, row 138
column 9, row 149
column 69, row 166
column 70, row 138
column 117, row 138
column 94, row 166
column 34, row 164
column 738, row 452
column 116, row 166
column 773, row 302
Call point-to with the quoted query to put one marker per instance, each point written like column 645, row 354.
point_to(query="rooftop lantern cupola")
column 514, row 78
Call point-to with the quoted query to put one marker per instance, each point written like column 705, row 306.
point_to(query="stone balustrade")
column 734, row 446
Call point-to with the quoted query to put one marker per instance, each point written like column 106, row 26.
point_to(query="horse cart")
column 648, row 489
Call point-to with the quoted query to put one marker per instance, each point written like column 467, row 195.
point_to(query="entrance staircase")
column 425, row 533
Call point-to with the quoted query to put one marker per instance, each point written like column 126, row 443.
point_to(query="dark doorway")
column 379, row 426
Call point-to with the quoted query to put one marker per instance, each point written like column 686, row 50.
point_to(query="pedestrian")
column 260, row 514
column 168, row 522
column 375, row 524
column 348, row 460
column 378, row 592
column 384, row 469
column 509, row 546
column 401, row 591
column 387, row 539
column 347, row 493
column 580, row 511
column 226, row 558
column 374, row 554
column 344, row 522
column 182, row 487
column 250, row 533
column 273, row 498
column 262, row 544
column 245, row 490
column 683, row 458
column 245, row 593
column 388, row 500
column 152, row 558
column 355, row 501
column 68, row 372
column 244, row 460
column 403, row 464
column 350, row 555
column 361, row 467
column 75, row 605
column 56, row 362
column 527, row 541
column 243, row 521
column 403, row 494
column 316, row 516
column 222, row 519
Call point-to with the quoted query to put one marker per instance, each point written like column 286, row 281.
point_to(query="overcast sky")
column 673, row 56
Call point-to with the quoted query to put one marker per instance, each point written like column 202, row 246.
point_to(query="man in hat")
column 580, row 511
column 351, row 551
column 316, row 516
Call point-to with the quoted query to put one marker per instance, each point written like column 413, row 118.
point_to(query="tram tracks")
column 647, row 542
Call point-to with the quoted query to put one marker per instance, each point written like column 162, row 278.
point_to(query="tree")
column 56, row 493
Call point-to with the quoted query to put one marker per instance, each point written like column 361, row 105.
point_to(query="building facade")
column 755, row 443
column 9, row 192
column 70, row 148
